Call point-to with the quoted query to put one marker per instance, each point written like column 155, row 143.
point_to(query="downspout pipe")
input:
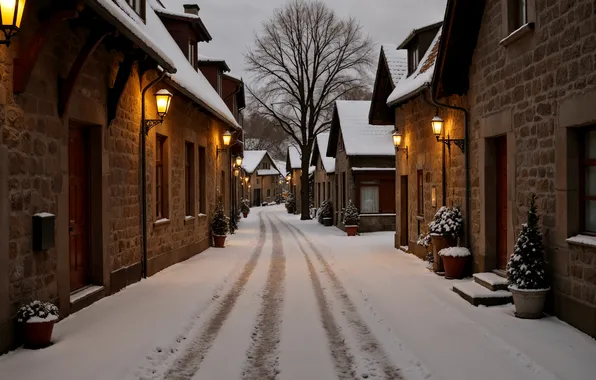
column 466, row 156
column 144, row 172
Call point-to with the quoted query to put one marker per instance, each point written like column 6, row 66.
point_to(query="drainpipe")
column 144, row 173
column 466, row 156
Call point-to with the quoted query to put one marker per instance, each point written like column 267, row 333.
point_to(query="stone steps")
column 488, row 289
column 491, row 281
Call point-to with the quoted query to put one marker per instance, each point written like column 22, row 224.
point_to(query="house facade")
column 70, row 144
column 364, row 166
column 294, row 170
column 324, row 176
column 263, row 177
column 526, row 80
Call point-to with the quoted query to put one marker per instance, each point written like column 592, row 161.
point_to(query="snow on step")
column 477, row 294
column 491, row 281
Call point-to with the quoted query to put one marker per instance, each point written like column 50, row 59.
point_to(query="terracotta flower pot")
column 351, row 230
column 528, row 303
column 38, row 334
column 455, row 267
column 245, row 214
column 219, row 241
column 439, row 242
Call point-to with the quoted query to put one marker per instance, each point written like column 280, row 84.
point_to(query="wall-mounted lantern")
column 163, row 98
column 227, row 139
column 246, row 179
column 397, row 138
column 236, row 172
column 288, row 177
column 11, row 14
column 437, row 125
column 238, row 160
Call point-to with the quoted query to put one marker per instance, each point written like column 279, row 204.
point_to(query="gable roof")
column 396, row 61
column 391, row 68
column 293, row 160
column 420, row 79
column 416, row 32
column 194, row 20
column 320, row 149
column 253, row 158
column 205, row 60
column 350, row 119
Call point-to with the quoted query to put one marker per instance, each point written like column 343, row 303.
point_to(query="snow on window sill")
column 518, row 34
column 202, row 215
column 161, row 222
column 189, row 219
column 585, row 240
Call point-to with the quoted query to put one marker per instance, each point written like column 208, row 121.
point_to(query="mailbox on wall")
column 43, row 231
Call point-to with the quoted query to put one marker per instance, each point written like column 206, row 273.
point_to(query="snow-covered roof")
column 420, row 78
column 154, row 33
column 397, row 62
column 294, row 157
column 252, row 159
column 361, row 138
column 328, row 162
column 281, row 166
column 271, row 171
column 311, row 170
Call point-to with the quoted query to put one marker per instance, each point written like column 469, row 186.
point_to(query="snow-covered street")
column 289, row 299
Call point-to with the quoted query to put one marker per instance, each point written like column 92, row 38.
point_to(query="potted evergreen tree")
column 444, row 231
column 244, row 208
column 291, row 203
column 351, row 219
column 219, row 226
column 37, row 320
column 325, row 213
column 526, row 270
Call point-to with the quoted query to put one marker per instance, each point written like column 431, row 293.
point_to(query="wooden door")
column 78, row 208
column 403, row 199
column 258, row 197
column 501, row 173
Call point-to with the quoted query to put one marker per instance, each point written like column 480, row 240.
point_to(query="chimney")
column 192, row 9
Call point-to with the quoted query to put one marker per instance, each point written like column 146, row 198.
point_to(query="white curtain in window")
column 369, row 199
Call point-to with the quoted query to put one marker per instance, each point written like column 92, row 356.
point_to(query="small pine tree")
column 244, row 206
column 527, row 268
column 220, row 222
column 351, row 215
column 291, row 203
column 325, row 211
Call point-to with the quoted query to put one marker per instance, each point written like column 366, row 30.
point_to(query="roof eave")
column 416, row 32
column 408, row 96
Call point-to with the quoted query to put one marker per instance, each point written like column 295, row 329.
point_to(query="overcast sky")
column 232, row 23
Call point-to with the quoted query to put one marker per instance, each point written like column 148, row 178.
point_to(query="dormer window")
column 413, row 59
column 192, row 53
column 138, row 6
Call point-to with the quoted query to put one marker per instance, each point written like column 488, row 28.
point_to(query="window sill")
column 161, row 223
column 584, row 240
column 189, row 219
column 202, row 216
column 518, row 34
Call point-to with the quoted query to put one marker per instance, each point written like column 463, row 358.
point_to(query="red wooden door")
column 78, row 208
column 501, row 156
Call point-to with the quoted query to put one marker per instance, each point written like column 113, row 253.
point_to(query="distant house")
column 263, row 183
column 294, row 169
column 364, row 166
column 324, row 177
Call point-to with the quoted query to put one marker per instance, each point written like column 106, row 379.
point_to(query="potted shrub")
column 526, row 270
column 244, row 208
column 37, row 320
column 325, row 213
column 290, row 204
column 444, row 231
column 454, row 261
column 219, row 226
column 425, row 242
column 351, row 219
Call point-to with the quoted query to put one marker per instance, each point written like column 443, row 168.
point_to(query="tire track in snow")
column 262, row 356
column 188, row 364
column 368, row 342
column 342, row 358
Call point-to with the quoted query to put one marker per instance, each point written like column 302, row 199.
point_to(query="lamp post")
column 11, row 15
column 397, row 138
column 437, row 124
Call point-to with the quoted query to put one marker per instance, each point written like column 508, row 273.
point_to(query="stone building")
column 263, row 177
column 364, row 166
column 324, row 176
column 294, row 170
column 528, row 83
column 71, row 141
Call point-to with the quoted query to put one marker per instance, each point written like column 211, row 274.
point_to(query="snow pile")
column 455, row 252
column 420, row 78
column 252, row 159
column 328, row 162
column 587, row 240
column 397, row 62
column 361, row 138
column 38, row 312
column 294, row 158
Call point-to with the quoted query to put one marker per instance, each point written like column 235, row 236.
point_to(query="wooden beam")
column 24, row 64
column 114, row 93
column 67, row 85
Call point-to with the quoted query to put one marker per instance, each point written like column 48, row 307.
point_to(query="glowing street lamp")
column 163, row 98
column 397, row 138
column 11, row 15
column 238, row 160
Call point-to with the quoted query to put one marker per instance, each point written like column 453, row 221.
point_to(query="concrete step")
column 491, row 281
column 477, row 294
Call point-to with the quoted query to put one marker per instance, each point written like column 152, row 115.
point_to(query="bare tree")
column 265, row 134
column 303, row 60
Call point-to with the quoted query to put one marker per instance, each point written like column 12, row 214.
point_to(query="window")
column 189, row 178
column 138, row 6
column 257, row 180
column 517, row 13
column 268, row 193
column 202, row 181
column 160, row 177
column 588, row 177
column 192, row 53
column 343, row 191
column 413, row 59
column 369, row 197
column 420, row 193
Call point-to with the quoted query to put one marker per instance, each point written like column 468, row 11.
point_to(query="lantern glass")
column 437, row 124
column 396, row 139
column 163, row 98
column 246, row 179
column 238, row 161
column 236, row 172
column 11, row 13
column 227, row 138
column 288, row 177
